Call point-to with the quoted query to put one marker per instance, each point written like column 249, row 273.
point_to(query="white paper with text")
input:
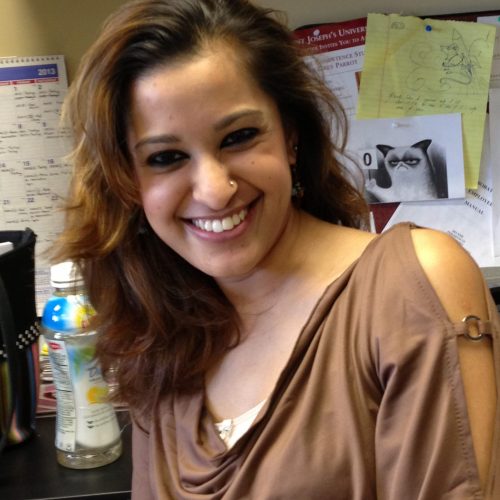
column 34, row 176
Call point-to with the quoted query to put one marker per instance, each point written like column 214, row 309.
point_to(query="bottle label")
column 84, row 417
column 67, row 314
column 66, row 415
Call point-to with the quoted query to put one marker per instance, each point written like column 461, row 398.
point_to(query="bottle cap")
column 65, row 275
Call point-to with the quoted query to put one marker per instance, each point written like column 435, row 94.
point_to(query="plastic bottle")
column 87, row 431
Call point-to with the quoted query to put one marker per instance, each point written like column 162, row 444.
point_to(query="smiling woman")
column 267, row 347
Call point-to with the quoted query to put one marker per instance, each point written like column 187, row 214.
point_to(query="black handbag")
column 19, row 360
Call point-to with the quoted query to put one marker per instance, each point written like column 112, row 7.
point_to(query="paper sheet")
column 34, row 175
column 495, row 162
column 429, row 153
column 337, row 53
column 468, row 221
column 495, row 67
column 344, row 84
column 416, row 66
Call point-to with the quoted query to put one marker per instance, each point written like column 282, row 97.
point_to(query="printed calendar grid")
column 34, row 175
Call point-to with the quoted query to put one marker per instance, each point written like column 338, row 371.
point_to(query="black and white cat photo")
column 405, row 173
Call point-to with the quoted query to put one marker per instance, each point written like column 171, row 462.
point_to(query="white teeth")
column 217, row 226
column 220, row 225
column 227, row 223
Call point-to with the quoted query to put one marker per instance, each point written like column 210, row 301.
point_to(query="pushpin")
column 428, row 27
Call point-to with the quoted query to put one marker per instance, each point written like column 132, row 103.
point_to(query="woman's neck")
column 293, row 262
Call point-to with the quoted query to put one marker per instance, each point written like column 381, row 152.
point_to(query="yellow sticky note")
column 419, row 66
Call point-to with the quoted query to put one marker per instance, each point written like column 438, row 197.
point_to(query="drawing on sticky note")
column 449, row 67
column 459, row 64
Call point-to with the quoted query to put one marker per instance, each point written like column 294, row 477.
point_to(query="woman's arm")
column 459, row 285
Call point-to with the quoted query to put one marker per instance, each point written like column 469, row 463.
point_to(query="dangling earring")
column 297, row 187
column 142, row 224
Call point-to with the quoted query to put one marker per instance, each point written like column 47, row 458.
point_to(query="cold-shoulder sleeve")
column 423, row 443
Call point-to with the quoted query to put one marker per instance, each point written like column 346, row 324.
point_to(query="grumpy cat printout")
column 411, row 158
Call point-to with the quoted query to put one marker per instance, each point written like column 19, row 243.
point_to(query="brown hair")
column 163, row 320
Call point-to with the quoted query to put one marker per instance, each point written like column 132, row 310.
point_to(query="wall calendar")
column 34, row 175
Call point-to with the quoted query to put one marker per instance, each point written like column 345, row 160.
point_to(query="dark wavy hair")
column 163, row 322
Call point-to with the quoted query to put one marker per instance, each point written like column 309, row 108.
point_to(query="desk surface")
column 30, row 471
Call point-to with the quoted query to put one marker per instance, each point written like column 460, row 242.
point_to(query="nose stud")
column 232, row 183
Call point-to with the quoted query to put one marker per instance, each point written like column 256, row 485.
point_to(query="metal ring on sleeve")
column 467, row 335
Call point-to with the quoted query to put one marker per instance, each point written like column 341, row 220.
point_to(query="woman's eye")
column 239, row 137
column 165, row 158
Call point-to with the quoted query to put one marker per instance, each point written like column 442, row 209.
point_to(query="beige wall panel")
column 302, row 12
column 43, row 27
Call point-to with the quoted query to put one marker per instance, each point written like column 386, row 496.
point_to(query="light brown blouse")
column 370, row 405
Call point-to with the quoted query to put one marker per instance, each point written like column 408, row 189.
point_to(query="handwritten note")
column 34, row 176
column 416, row 66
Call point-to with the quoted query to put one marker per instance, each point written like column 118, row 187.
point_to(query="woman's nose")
column 212, row 184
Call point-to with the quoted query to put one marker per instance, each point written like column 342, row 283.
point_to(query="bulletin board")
column 422, row 100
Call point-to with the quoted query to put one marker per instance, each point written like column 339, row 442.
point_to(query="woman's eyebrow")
column 157, row 139
column 232, row 117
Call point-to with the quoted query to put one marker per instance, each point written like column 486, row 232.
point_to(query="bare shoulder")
column 452, row 272
column 459, row 285
column 330, row 230
column 350, row 243
column 328, row 243
column 356, row 239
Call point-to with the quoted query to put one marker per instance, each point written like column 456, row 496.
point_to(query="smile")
column 221, row 225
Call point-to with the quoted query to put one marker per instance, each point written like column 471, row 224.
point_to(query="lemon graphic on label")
column 97, row 394
column 82, row 314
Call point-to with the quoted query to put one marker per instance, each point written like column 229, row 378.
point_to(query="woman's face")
column 193, row 127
